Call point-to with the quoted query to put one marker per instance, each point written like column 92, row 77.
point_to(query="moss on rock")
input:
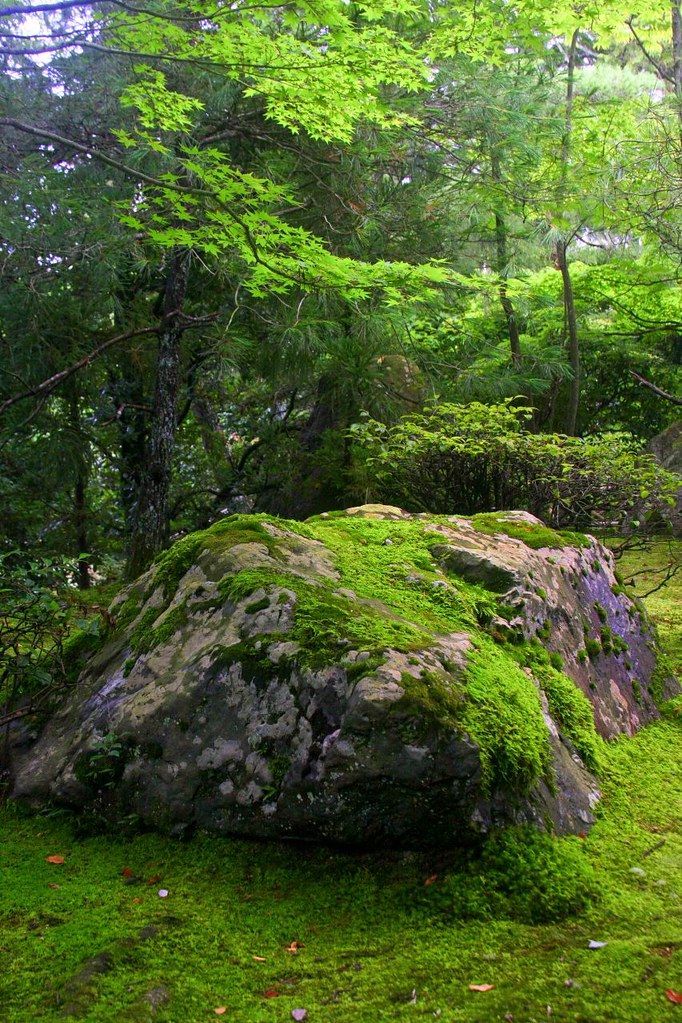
column 534, row 535
column 339, row 674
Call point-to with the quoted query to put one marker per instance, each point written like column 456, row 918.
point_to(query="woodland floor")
column 83, row 940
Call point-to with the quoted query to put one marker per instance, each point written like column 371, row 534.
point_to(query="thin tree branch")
column 654, row 63
column 95, row 154
column 48, row 385
column 657, row 390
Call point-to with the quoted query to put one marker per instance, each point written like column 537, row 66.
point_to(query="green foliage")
column 103, row 765
column 473, row 458
column 45, row 633
column 592, row 647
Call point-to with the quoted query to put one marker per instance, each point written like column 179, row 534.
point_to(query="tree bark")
column 572, row 338
column 80, row 498
column 677, row 54
column 150, row 524
column 132, row 449
column 561, row 259
column 502, row 258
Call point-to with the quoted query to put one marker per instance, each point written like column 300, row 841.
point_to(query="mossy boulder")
column 366, row 676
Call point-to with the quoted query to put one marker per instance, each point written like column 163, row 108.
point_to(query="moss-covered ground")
column 91, row 938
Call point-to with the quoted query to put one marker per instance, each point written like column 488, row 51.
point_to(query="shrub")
column 44, row 632
column 467, row 459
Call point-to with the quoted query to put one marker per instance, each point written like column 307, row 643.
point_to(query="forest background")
column 291, row 257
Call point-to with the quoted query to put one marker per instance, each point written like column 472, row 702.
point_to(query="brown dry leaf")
column 127, row 872
column 220, row 1010
column 137, row 901
column 271, row 992
column 674, row 996
column 481, row 987
column 155, row 879
column 258, row 959
column 53, row 885
column 55, row 859
column 431, row 880
column 294, row 947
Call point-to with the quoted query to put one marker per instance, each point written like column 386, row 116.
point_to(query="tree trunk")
column 561, row 259
column 502, row 257
column 677, row 54
column 80, row 492
column 573, row 343
column 128, row 395
column 81, row 512
column 150, row 526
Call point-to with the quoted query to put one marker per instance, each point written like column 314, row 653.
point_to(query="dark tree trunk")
column 561, row 258
column 572, row 339
column 80, row 495
column 81, row 513
column 502, row 259
column 677, row 54
column 128, row 395
column 150, row 526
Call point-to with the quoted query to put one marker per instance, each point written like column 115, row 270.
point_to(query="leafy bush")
column 475, row 458
column 522, row 874
column 44, row 631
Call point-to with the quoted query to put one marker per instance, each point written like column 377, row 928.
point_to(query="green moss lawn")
column 261, row 930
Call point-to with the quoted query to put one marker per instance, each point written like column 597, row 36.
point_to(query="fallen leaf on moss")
column 258, row 959
column 220, row 1010
column 57, row 859
column 53, row 885
column 155, row 879
column 674, row 996
column 431, row 880
column 481, row 987
column 127, row 872
column 271, row 992
column 294, row 947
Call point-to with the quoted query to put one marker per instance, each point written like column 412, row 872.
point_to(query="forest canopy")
column 234, row 236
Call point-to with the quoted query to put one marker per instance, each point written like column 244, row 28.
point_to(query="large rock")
column 366, row 676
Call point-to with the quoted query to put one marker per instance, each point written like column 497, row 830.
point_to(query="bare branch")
column 657, row 390
column 652, row 60
column 49, row 385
